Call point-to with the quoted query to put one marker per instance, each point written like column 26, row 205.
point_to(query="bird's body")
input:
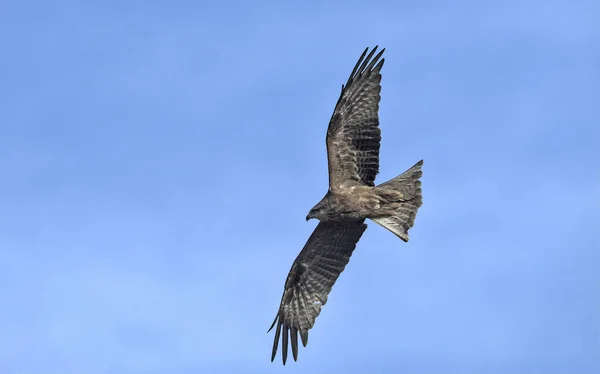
column 355, row 203
column 353, row 141
column 346, row 205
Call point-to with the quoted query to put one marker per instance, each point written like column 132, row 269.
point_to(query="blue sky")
column 158, row 160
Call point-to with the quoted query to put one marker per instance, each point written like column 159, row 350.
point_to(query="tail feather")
column 404, row 193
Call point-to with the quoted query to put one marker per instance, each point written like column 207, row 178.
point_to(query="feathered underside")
column 353, row 141
column 353, row 135
column 311, row 278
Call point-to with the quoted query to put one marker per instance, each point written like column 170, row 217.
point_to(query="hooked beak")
column 307, row 217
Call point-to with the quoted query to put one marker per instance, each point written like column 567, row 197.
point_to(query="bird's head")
column 312, row 214
column 316, row 212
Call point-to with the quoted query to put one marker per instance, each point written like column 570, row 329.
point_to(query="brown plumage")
column 353, row 140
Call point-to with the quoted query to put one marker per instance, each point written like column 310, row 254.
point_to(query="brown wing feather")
column 311, row 278
column 353, row 136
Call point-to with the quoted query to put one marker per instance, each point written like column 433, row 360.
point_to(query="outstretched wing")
column 353, row 135
column 313, row 273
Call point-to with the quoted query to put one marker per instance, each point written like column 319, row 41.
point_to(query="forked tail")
column 405, row 198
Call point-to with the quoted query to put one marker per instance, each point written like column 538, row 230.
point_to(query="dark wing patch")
column 353, row 135
column 311, row 278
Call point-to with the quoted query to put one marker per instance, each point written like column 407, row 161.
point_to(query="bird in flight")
column 353, row 140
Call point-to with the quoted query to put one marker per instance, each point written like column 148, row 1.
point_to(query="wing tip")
column 304, row 337
column 367, row 63
column 276, row 340
column 284, row 344
column 273, row 324
column 294, row 339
